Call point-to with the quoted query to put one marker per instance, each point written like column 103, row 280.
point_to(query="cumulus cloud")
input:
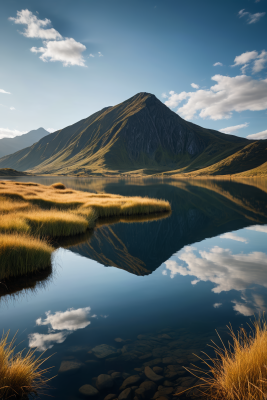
column 91, row 55
column 226, row 270
column 3, row 91
column 69, row 320
column 55, row 47
column 259, row 63
column 239, row 93
column 68, row 51
column 46, row 341
column 12, row 108
column 10, row 133
column 251, row 18
column 258, row 136
column 231, row 129
column 218, row 64
column 258, row 228
column 244, row 60
column 217, row 305
column 233, row 236
column 100, row 54
column 195, row 86
column 36, row 28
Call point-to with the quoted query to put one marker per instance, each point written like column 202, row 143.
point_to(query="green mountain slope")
column 141, row 134
column 11, row 145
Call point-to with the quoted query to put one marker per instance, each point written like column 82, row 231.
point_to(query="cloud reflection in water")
column 66, row 322
column 227, row 271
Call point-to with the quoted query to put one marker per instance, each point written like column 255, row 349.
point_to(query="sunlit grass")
column 238, row 372
column 23, row 254
column 31, row 213
column 20, row 374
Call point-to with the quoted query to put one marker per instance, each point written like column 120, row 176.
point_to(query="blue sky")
column 62, row 61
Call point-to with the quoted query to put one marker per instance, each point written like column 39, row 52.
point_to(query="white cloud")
column 36, row 28
column 100, row 54
column 50, row 130
column 231, row 129
column 164, row 272
column 258, row 228
column 12, row 108
column 68, row 51
column 245, row 58
column 259, row 63
column 55, row 47
column 251, row 18
column 164, row 95
column 258, row 136
column 69, row 320
column 195, row 86
column 91, row 55
column 218, row 64
column 243, row 308
column 233, row 236
column 226, row 270
column 3, row 91
column 239, row 93
column 217, row 305
column 10, row 133
column 46, row 341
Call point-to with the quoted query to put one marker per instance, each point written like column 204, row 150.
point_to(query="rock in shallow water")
column 110, row 396
column 125, row 394
column 152, row 376
column 103, row 351
column 104, row 382
column 130, row 381
column 88, row 390
column 69, row 366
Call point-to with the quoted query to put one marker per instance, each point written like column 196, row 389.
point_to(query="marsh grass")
column 20, row 373
column 23, row 254
column 31, row 214
column 239, row 371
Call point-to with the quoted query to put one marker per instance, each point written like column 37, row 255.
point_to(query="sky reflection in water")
column 193, row 272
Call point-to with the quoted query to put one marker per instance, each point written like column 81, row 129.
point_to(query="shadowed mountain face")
column 12, row 145
column 199, row 210
column 138, row 134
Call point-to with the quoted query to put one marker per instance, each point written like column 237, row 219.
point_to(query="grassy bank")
column 32, row 215
column 238, row 372
column 20, row 374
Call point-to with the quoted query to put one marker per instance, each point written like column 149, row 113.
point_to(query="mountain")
column 12, row 145
column 140, row 136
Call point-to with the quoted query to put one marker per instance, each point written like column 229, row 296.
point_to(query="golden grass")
column 23, row 254
column 20, row 374
column 238, row 372
column 30, row 213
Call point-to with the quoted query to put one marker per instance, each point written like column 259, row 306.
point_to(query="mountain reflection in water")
column 200, row 210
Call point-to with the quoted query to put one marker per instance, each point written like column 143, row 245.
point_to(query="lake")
column 152, row 293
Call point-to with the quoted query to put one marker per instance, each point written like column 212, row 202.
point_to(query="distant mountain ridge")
column 12, row 145
column 140, row 136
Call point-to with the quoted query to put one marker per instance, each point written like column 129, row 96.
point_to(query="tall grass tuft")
column 23, row 254
column 58, row 186
column 20, row 374
column 238, row 372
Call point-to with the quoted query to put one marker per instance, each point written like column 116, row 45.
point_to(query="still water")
column 145, row 293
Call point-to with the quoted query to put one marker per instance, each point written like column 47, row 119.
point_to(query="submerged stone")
column 130, row 381
column 104, row 350
column 125, row 394
column 88, row 390
column 152, row 375
column 104, row 382
column 69, row 366
column 110, row 396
